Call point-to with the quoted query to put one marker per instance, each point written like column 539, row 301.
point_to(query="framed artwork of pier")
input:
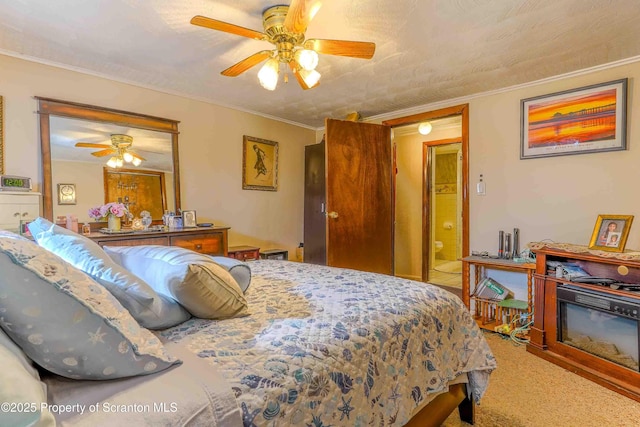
column 589, row 119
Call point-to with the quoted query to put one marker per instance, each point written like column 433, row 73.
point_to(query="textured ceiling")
column 426, row 50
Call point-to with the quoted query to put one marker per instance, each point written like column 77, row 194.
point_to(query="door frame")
column 462, row 110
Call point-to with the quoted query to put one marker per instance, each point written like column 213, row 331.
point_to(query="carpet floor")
column 526, row 390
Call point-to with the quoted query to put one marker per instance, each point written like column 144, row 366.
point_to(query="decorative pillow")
column 151, row 310
column 20, row 384
column 239, row 270
column 203, row 287
column 66, row 322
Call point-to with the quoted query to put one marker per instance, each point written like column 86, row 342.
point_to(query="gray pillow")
column 68, row 323
column 150, row 309
column 203, row 287
column 238, row 269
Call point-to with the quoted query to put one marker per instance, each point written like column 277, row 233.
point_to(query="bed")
column 318, row 346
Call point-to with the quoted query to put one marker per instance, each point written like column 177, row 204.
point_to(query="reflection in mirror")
column 77, row 142
column 139, row 190
column 84, row 166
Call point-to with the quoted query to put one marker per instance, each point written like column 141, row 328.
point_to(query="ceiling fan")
column 120, row 148
column 284, row 27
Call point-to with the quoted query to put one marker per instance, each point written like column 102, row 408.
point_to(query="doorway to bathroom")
column 442, row 168
column 414, row 232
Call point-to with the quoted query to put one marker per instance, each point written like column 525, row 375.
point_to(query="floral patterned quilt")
column 335, row 347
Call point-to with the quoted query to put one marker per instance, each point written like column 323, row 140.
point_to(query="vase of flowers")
column 112, row 212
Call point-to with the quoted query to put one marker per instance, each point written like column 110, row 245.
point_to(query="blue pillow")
column 68, row 323
column 239, row 270
column 150, row 309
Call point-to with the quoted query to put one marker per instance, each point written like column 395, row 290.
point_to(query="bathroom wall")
column 445, row 206
column 408, row 230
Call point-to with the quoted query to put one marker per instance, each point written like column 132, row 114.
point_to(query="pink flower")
column 95, row 213
column 118, row 210
column 101, row 212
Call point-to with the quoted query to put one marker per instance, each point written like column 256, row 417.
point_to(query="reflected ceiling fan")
column 284, row 27
column 119, row 149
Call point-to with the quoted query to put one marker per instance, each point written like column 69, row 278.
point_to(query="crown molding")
column 465, row 99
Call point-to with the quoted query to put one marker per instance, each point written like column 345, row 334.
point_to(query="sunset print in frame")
column 585, row 120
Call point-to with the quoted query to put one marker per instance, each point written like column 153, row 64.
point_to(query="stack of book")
column 491, row 290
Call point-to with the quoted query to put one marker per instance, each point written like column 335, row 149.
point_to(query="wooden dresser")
column 206, row 240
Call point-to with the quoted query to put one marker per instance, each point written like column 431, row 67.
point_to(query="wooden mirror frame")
column 52, row 107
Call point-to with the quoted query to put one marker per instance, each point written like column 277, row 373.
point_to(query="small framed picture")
column 66, row 194
column 24, row 229
column 610, row 232
column 189, row 219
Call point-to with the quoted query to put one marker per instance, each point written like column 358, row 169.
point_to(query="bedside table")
column 244, row 253
column 275, row 254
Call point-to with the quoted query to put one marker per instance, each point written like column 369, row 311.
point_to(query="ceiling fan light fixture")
column 425, row 128
column 119, row 162
column 112, row 162
column 128, row 157
column 268, row 74
column 310, row 77
column 136, row 161
column 307, row 58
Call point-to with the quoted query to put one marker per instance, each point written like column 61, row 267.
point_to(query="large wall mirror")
column 79, row 140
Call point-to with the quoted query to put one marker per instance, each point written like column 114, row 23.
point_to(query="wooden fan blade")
column 246, row 63
column 363, row 50
column 214, row 24
column 300, row 13
column 137, row 156
column 103, row 153
column 91, row 145
column 296, row 72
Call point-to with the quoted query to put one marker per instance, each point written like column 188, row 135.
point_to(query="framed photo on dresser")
column 189, row 219
column 610, row 232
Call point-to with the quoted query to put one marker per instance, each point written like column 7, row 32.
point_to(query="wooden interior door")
column 359, row 196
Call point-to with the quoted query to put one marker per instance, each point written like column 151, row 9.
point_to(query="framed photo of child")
column 610, row 232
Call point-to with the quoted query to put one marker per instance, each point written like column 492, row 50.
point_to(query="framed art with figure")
column 610, row 232
column 585, row 120
column 259, row 164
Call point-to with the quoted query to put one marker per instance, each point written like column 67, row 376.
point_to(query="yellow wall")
column 555, row 198
column 446, row 210
column 408, row 232
column 210, row 148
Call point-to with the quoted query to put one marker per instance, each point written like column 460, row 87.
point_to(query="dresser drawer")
column 210, row 244
column 244, row 253
column 162, row 241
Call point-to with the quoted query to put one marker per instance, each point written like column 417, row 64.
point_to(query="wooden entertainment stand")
column 544, row 341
